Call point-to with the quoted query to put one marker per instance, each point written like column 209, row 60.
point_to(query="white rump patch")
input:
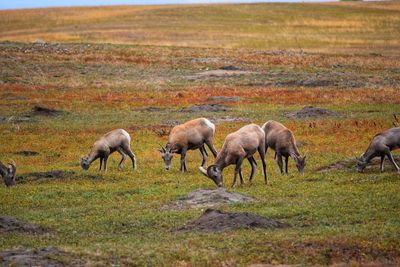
column 126, row 134
column 210, row 124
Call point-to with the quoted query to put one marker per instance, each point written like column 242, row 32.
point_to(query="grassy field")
column 104, row 65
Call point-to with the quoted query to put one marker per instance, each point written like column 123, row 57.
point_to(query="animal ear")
column 203, row 171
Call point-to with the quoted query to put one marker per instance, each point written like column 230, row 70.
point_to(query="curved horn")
column 203, row 171
column 163, row 149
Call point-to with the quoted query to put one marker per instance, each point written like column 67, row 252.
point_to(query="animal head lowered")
column 167, row 155
column 9, row 173
column 214, row 173
column 361, row 163
column 85, row 164
column 301, row 163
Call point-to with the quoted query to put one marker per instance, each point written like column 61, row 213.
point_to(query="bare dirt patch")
column 351, row 164
column 151, row 109
column 205, row 108
column 223, row 72
column 49, row 175
column 206, row 198
column 43, row 111
column 224, row 98
column 310, row 111
column 49, row 256
column 11, row 224
column 216, row 221
column 27, row 153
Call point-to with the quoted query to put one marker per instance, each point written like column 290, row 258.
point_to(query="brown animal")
column 116, row 140
column 381, row 146
column 189, row 136
column 238, row 146
column 282, row 141
column 8, row 172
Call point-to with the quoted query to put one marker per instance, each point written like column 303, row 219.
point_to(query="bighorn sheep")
column 116, row 140
column 282, row 141
column 189, row 136
column 8, row 172
column 238, row 146
column 380, row 146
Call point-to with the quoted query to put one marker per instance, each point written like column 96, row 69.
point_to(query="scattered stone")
column 206, row 198
column 224, row 98
column 216, row 221
column 26, row 153
column 220, row 73
column 19, row 119
column 42, row 111
column 205, row 108
column 229, row 119
column 229, row 67
column 351, row 164
column 310, row 111
column 170, row 123
column 40, row 42
column 45, row 257
column 206, row 60
column 179, row 95
column 151, row 109
column 11, row 224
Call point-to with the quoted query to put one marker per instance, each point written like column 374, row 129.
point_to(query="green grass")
column 117, row 217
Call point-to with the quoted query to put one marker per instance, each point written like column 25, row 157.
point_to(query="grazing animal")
column 238, row 146
column 282, row 141
column 116, row 140
column 381, row 146
column 189, row 136
column 8, row 172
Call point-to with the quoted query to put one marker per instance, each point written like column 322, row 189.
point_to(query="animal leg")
column 261, row 151
column 382, row 162
column 253, row 168
column 204, row 154
column 101, row 163
column 241, row 176
column 211, row 147
column 286, row 164
column 279, row 162
column 237, row 170
column 105, row 159
column 127, row 150
column 183, row 161
column 120, row 165
column 390, row 156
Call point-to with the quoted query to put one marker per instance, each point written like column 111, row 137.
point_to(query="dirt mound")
column 219, row 73
column 34, row 176
column 229, row 67
column 216, row 220
column 351, row 164
column 42, row 111
column 11, row 224
column 229, row 119
column 224, row 98
column 26, row 153
column 48, row 257
column 309, row 111
column 205, row 198
column 151, row 109
column 205, row 108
